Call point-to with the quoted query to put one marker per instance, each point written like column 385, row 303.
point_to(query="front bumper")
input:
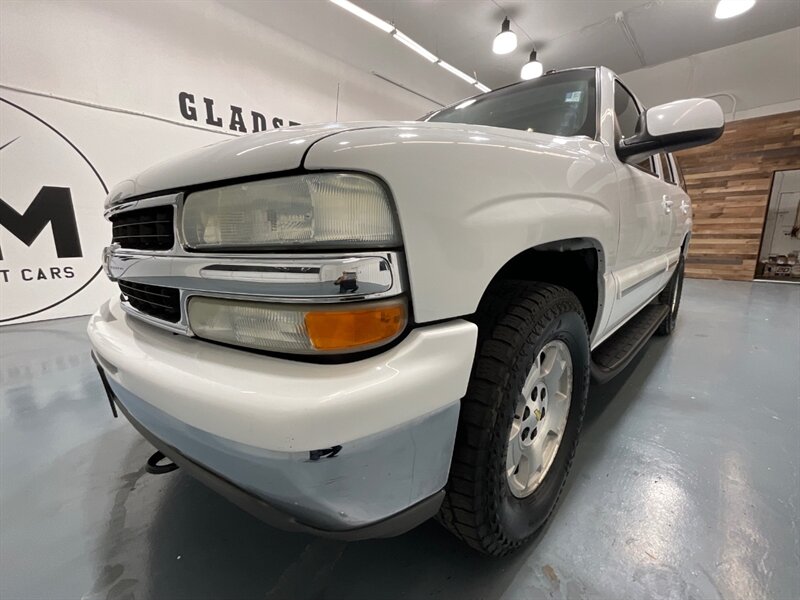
column 351, row 450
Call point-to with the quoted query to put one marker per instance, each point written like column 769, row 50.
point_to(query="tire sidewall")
column 521, row 517
column 674, row 288
column 673, row 312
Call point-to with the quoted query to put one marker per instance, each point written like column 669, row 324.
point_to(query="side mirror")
column 673, row 126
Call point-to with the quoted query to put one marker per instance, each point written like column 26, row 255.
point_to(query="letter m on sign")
column 51, row 205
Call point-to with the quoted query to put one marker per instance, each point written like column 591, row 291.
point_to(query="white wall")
column 102, row 79
column 763, row 75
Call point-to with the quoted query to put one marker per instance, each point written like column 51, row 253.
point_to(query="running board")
column 613, row 355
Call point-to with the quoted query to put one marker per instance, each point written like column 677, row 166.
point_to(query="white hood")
column 263, row 153
column 259, row 153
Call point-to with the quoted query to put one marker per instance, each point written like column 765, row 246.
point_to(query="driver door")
column 646, row 220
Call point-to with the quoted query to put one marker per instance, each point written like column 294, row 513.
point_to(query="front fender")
column 471, row 198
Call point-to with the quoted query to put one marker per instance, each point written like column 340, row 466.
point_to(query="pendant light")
column 533, row 68
column 506, row 40
column 732, row 8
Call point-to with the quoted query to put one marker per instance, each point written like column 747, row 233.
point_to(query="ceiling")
column 621, row 34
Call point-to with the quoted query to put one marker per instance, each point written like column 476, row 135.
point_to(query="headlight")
column 322, row 210
column 298, row 329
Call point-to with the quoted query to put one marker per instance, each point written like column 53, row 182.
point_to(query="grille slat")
column 159, row 302
column 140, row 223
column 148, row 302
column 149, row 293
column 144, row 229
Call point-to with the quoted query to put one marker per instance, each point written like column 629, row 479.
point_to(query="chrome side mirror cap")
column 673, row 126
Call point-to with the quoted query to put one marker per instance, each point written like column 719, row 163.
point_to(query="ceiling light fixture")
column 732, row 8
column 457, row 73
column 363, row 14
column 533, row 68
column 506, row 40
column 407, row 41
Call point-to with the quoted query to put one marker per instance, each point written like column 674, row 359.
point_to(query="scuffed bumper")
column 380, row 475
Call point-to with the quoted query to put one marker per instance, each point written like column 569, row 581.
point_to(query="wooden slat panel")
column 729, row 182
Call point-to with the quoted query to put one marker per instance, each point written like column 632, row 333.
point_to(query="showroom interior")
column 469, row 228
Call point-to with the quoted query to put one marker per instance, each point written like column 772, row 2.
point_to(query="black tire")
column 672, row 292
column 515, row 320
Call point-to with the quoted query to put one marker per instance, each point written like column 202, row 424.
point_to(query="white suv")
column 349, row 328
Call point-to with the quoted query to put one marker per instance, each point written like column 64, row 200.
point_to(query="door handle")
column 667, row 204
column 684, row 206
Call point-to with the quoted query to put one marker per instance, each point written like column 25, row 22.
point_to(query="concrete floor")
column 685, row 485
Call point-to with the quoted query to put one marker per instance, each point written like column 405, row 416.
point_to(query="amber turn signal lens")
column 356, row 328
column 297, row 329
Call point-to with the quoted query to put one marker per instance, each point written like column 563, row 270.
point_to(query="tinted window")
column 626, row 110
column 647, row 165
column 678, row 173
column 627, row 119
column 666, row 168
column 558, row 104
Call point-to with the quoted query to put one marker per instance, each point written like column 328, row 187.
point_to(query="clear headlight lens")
column 298, row 329
column 327, row 210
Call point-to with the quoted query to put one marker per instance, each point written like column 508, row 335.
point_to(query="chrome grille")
column 144, row 229
column 160, row 302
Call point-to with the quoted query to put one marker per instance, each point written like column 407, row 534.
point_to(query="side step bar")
column 613, row 355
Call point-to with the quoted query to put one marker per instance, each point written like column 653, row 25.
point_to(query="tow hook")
column 154, row 468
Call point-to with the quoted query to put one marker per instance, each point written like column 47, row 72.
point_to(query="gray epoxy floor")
column 685, row 485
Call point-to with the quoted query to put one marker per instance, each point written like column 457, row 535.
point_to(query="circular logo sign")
column 52, row 229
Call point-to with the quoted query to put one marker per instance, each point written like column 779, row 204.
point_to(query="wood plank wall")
column 729, row 183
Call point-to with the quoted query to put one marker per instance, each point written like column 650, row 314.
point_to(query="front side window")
column 626, row 111
column 627, row 119
column 561, row 104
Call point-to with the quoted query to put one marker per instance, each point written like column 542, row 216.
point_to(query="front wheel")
column 521, row 416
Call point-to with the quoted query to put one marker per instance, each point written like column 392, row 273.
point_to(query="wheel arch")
column 577, row 264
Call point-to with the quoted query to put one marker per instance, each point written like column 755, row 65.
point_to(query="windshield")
column 558, row 104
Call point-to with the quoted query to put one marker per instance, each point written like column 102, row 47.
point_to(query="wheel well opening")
column 573, row 264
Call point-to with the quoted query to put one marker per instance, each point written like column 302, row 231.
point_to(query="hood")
column 258, row 153
column 267, row 152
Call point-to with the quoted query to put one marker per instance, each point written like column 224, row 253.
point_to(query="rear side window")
column 666, row 168
column 647, row 165
column 678, row 172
